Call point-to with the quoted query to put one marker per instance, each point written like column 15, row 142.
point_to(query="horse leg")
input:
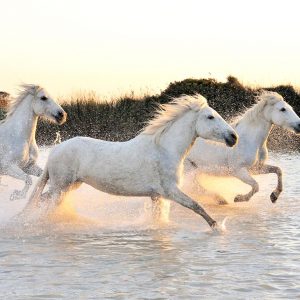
column 56, row 194
column 267, row 169
column 244, row 175
column 18, row 173
column 216, row 197
column 156, row 207
column 54, row 199
column 175, row 194
column 40, row 209
column 50, row 200
column 33, row 169
column 160, row 208
column 200, row 189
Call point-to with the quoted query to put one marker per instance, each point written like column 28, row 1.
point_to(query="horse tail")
column 38, row 189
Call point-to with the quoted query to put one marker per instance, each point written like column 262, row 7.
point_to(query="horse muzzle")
column 296, row 128
column 231, row 139
column 60, row 117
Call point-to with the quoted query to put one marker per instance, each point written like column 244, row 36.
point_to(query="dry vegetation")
column 122, row 119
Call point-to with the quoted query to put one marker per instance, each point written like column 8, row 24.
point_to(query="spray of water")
column 89, row 207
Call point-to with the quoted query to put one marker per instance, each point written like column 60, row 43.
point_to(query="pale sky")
column 115, row 46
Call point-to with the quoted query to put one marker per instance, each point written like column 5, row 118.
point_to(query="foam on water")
column 101, row 246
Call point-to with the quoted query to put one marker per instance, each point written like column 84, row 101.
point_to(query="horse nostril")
column 233, row 136
column 60, row 115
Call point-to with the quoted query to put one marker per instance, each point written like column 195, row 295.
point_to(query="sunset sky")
column 115, row 46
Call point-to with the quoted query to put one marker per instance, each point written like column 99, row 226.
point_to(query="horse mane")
column 23, row 91
column 262, row 100
column 168, row 113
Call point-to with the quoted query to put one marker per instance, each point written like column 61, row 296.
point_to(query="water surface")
column 99, row 246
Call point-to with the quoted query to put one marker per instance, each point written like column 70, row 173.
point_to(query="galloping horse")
column 18, row 148
column 250, row 154
column 148, row 165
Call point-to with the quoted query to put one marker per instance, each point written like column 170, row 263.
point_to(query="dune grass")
column 121, row 119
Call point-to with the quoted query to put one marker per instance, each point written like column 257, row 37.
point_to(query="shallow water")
column 99, row 246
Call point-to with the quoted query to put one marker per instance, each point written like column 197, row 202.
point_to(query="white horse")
column 250, row 154
column 148, row 165
column 18, row 148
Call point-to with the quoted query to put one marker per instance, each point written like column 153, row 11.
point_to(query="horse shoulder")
column 210, row 156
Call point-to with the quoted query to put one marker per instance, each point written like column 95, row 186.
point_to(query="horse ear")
column 258, row 95
column 33, row 90
column 36, row 89
column 30, row 88
column 262, row 92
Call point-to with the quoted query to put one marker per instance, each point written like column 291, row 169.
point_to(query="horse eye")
column 210, row 117
column 283, row 109
column 44, row 98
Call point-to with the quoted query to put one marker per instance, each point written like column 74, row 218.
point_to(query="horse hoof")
column 13, row 197
column 239, row 198
column 222, row 202
column 214, row 226
column 16, row 195
column 273, row 197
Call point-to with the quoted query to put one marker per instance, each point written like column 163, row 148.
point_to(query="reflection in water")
column 102, row 246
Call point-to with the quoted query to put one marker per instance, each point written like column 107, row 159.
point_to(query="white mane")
column 252, row 113
column 168, row 113
column 24, row 91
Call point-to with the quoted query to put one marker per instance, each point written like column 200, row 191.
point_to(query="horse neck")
column 23, row 121
column 180, row 136
column 254, row 131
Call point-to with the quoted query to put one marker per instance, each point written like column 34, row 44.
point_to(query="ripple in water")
column 101, row 246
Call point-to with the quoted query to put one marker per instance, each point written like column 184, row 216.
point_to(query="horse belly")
column 216, row 170
column 123, row 183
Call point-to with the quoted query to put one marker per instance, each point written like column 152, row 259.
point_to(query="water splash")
column 223, row 226
column 87, row 206
column 226, row 187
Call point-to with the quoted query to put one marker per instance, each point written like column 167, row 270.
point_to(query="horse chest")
column 251, row 157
